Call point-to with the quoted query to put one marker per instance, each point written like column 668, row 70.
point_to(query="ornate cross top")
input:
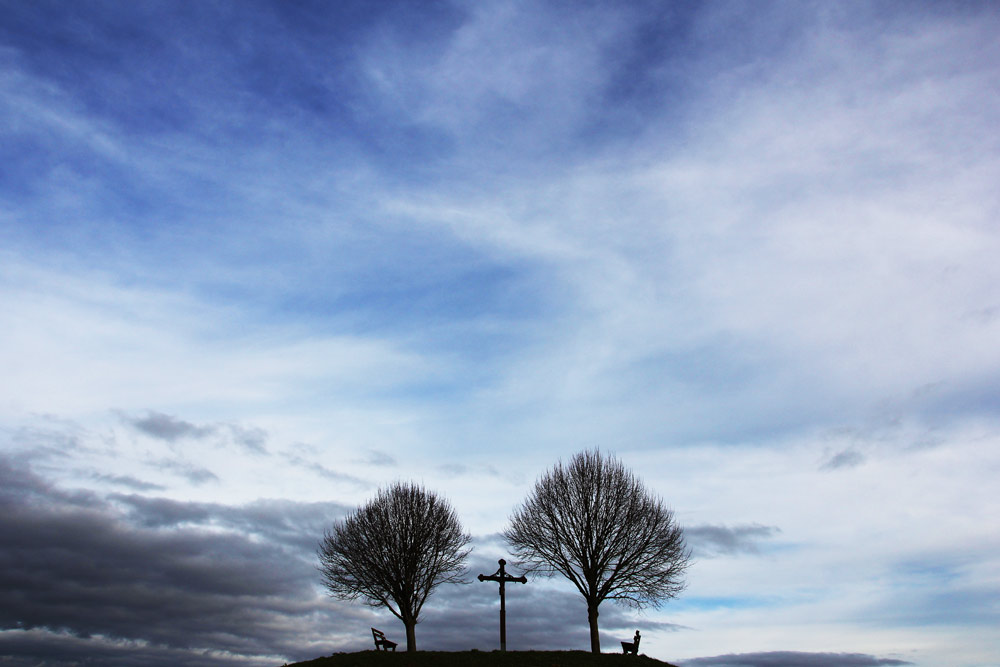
column 502, row 578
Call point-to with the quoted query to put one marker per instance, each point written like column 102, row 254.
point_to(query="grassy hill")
column 482, row 659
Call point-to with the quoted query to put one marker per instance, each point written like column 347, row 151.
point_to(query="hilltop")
column 482, row 659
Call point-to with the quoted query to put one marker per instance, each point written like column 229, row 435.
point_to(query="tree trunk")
column 411, row 635
column 595, row 637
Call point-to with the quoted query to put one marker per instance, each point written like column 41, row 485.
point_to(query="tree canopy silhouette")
column 596, row 524
column 394, row 551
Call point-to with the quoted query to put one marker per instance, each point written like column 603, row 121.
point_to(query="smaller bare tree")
column 394, row 551
column 595, row 523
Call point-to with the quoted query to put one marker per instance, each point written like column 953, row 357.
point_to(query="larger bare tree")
column 394, row 551
column 596, row 524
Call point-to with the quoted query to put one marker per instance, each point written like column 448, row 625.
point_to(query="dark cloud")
column 849, row 458
column 707, row 541
column 167, row 427
column 298, row 526
column 140, row 581
column 793, row 659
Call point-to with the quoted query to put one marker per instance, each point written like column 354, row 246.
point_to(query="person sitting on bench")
column 632, row 646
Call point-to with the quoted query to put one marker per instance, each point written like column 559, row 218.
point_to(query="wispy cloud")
column 166, row 427
column 376, row 458
column 252, row 439
column 325, row 472
column 709, row 541
column 192, row 472
column 847, row 458
column 128, row 481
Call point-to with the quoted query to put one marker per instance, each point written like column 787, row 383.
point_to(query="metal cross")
column 502, row 577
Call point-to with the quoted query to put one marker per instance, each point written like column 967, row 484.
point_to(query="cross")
column 502, row 577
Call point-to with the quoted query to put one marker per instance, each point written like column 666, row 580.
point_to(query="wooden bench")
column 381, row 642
column 632, row 646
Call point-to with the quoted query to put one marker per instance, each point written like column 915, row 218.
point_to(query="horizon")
column 260, row 259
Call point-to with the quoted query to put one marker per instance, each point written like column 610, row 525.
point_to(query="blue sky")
column 259, row 258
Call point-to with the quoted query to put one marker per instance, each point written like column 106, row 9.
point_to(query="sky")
column 260, row 259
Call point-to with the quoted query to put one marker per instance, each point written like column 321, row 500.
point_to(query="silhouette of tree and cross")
column 590, row 520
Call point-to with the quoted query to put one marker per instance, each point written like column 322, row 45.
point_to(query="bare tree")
column 394, row 551
column 595, row 523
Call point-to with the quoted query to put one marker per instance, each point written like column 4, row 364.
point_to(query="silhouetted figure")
column 632, row 646
column 381, row 642
column 502, row 577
